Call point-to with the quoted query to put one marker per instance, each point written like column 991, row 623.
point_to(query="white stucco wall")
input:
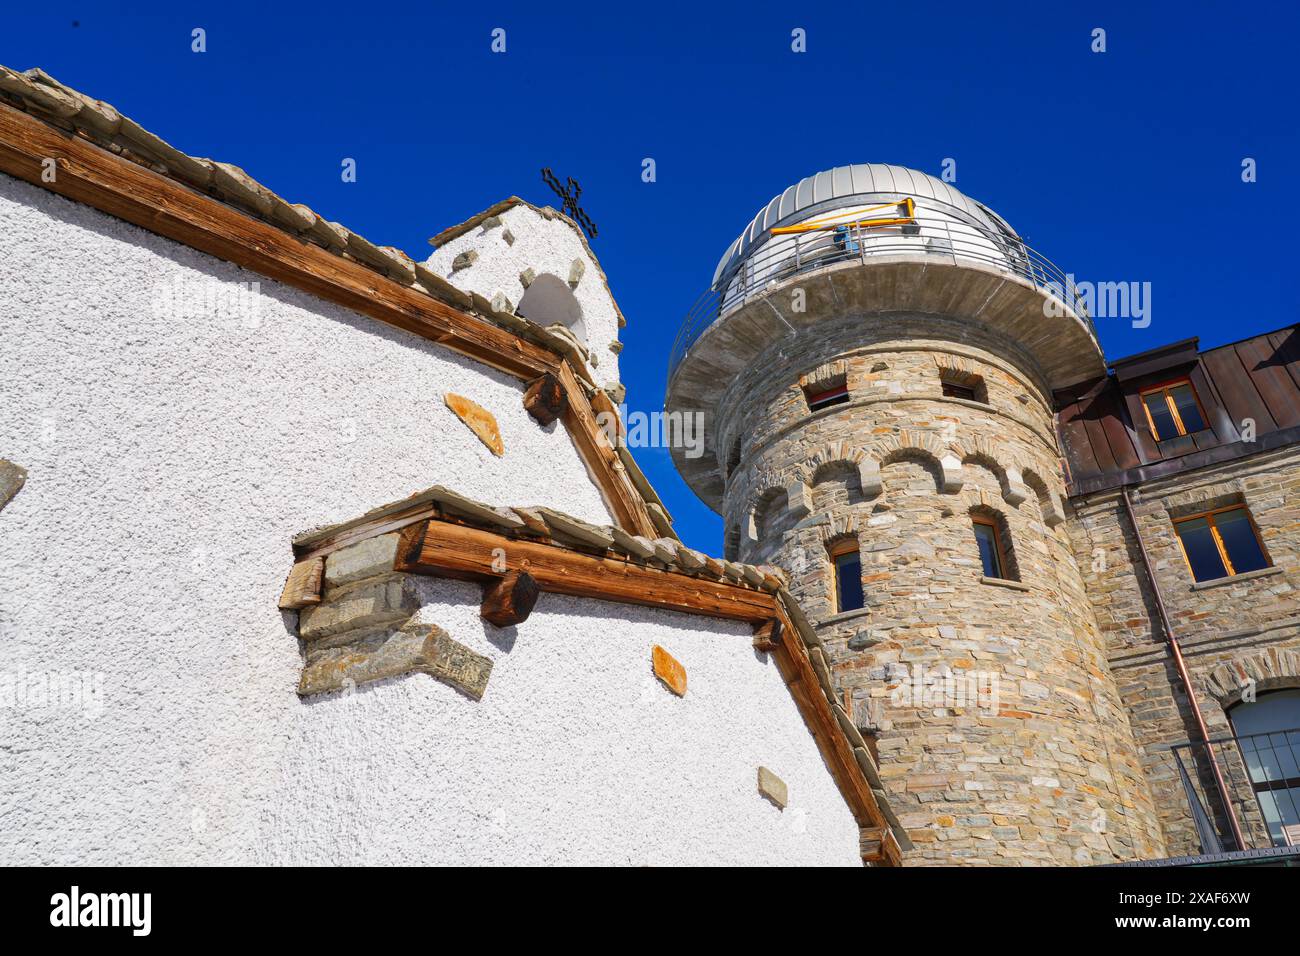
column 170, row 462
column 575, row 755
column 547, row 246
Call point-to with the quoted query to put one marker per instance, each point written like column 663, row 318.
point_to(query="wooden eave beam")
column 595, row 449
column 453, row 550
column 114, row 185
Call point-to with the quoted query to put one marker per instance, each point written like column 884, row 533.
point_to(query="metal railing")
column 1262, row 777
column 782, row 257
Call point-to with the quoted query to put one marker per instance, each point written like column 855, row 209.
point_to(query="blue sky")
column 1121, row 166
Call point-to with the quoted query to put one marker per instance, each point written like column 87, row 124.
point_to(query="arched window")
column 1268, row 731
column 846, row 566
column 993, row 540
column 548, row 300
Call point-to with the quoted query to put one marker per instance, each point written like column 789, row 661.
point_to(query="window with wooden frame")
column 846, row 563
column 824, row 396
column 1221, row 543
column 953, row 390
column 995, row 553
column 955, row 383
column 1173, row 409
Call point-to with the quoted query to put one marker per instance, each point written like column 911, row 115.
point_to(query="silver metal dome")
column 849, row 186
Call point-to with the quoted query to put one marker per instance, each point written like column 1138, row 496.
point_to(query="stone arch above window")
column 837, row 527
column 548, row 300
column 826, row 376
column 1274, row 669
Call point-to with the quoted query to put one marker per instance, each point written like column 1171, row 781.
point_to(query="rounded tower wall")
column 878, row 405
column 1000, row 731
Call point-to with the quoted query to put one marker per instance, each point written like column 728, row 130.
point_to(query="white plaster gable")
column 511, row 248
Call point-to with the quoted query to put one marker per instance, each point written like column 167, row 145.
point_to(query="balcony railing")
column 1261, row 773
column 782, row 257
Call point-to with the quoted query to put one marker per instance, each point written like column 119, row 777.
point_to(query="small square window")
column 1219, row 544
column 826, row 397
column 1173, row 410
column 955, row 383
column 848, row 578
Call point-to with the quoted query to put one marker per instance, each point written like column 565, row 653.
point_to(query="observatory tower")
column 875, row 360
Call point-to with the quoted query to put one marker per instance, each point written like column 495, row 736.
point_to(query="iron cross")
column 570, row 196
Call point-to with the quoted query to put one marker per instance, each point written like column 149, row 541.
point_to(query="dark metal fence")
column 1262, row 776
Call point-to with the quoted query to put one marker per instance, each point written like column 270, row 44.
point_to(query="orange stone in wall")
column 480, row 421
column 669, row 670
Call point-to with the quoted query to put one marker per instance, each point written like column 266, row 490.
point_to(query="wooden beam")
column 627, row 506
column 302, row 589
column 879, row 845
column 510, row 600
column 452, row 550
column 767, row 636
column 545, row 399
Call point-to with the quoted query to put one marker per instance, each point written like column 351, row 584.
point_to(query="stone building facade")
column 1239, row 634
column 879, row 396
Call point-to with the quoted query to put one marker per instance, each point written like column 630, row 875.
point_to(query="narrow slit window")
column 848, row 578
column 733, row 459
column 1173, row 410
column 826, row 397
column 1219, row 544
column 992, row 556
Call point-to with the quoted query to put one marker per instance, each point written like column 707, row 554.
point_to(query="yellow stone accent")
column 669, row 670
column 480, row 421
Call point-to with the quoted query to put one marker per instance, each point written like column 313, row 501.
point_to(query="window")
column 848, row 577
column 733, row 458
column 1268, row 731
column 1173, row 410
column 826, row 397
column 993, row 554
column 1219, row 544
column 955, row 383
column 953, row 390
column 986, row 536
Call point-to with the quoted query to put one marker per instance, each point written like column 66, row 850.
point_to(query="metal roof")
column 846, row 186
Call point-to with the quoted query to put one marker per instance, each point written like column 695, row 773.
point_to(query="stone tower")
column 874, row 362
